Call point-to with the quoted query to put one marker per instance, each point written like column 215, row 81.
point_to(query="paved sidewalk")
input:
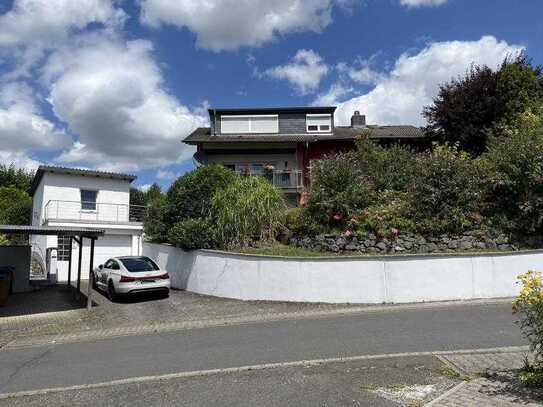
column 491, row 381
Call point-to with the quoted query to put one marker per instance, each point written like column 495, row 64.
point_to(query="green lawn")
column 283, row 250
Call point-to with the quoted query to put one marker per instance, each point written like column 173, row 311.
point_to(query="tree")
column 137, row 197
column 468, row 110
column 15, row 177
column 15, row 206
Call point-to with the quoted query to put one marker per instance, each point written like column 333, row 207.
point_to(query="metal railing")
column 287, row 179
column 93, row 211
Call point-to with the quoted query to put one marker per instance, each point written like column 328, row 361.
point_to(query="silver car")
column 130, row 275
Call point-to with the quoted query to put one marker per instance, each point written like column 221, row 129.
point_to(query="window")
column 250, row 124
column 88, row 200
column 318, row 123
column 139, row 264
column 63, row 248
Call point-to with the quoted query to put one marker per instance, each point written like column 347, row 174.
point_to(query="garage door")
column 104, row 248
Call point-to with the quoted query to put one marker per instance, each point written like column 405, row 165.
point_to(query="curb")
column 449, row 392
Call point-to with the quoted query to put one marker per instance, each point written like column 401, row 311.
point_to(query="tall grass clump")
column 249, row 210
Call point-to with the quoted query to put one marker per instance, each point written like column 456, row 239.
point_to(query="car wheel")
column 111, row 291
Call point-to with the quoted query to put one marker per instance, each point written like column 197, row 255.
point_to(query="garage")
column 106, row 247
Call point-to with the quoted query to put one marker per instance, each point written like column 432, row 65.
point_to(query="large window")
column 318, row 123
column 63, row 248
column 88, row 200
column 250, row 124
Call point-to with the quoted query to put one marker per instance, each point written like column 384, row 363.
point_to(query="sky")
column 116, row 85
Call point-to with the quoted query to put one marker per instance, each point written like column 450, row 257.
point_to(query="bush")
column 155, row 226
column 15, row 206
column 192, row 234
column 516, row 159
column 300, row 224
column 338, row 190
column 448, row 192
column 386, row 218
column 250, row 209
column 190, row 195
column 529, row 308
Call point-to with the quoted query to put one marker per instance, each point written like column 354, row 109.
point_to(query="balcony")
column 93, row 212
column 284, row 179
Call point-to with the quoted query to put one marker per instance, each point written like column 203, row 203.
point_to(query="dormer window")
column 318, row 123
column 255, row 124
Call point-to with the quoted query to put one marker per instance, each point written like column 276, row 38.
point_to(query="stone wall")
column 403, row 244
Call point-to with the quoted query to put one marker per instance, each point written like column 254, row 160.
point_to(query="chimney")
column 358, row 120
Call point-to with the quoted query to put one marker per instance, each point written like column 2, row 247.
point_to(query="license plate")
column 147, row 281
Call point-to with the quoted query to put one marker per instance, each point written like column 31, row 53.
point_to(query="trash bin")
column 5, row 284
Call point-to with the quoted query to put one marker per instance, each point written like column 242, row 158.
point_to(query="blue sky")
column 115, row 85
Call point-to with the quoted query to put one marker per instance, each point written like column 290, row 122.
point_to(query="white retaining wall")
column 369, row 280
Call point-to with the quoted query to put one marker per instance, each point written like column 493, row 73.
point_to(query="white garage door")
column 104, row 248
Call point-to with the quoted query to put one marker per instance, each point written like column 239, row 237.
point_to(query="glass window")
column 320, row 123
column 63, row 248
column 139, row 264
column 88, row 200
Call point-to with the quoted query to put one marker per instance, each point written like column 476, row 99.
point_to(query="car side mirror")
column 101, row 266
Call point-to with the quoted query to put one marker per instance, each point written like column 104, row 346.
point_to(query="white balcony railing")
column 93, row 212
column 286, row 179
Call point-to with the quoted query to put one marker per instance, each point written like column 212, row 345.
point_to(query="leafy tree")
column 15, row 206
column 190, row 195
column 137, row 197
column 468, row 110
column 155, row 226
column 15, row 177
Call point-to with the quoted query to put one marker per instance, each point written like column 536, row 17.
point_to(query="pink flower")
column 348, row 233
column 394, row 232
column 337, row 217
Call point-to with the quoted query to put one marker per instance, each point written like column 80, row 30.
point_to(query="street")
column 379, row 333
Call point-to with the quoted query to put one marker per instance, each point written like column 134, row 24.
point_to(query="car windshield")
column 139, row 264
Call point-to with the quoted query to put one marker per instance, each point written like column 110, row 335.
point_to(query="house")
column 280, row 143
column 84, row 199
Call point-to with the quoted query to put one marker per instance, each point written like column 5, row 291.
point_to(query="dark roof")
column 51, row 230
column 203, row 135
column 273, row 110
column 75, row 171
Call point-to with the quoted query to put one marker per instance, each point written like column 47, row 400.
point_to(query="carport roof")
column 51, row 230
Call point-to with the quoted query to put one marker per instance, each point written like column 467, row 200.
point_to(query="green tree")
column 190, row 195
column 468, row 110
column 10, row 176
column 15, row 206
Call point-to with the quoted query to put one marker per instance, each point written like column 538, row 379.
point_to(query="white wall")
column 368, row 280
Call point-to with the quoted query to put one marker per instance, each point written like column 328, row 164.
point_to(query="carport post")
column 79, row 265
column 91, row 264
column 70, row 263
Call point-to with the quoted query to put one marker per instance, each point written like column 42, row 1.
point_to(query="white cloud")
column 144, row 187
column 414, row 81
column 420, row 3
column 304, row 72
column 32, row 26
column 22, row 126
column 362, row 73
column 111, row 95
column 166, row 175
column 336, row 92
column 19, row 160
column 230, row 24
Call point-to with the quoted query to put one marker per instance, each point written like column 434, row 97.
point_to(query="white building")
column 84, row 198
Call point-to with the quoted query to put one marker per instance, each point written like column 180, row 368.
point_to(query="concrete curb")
column 299, row 363
column 449, row 392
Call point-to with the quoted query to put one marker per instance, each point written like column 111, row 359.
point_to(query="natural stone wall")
column 403, row 243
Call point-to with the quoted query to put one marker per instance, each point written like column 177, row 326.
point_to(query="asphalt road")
column 458, row 327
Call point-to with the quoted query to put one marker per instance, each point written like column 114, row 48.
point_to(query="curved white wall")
column 368, row 280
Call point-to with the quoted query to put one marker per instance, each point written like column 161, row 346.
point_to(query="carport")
column 77, row 234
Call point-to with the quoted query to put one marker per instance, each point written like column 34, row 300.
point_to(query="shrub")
column 388, row 168
column 529, row 308
column 250, row 209
column 386, row 218
column 448, row 192
column 155, row 226
column 516, row 159
column 300, row 224
column 191, row 194
column 193, row 234
column 338, row 190
column 15, row 206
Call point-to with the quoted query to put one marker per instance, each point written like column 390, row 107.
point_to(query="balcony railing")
column 286, row 179
column 93, row 212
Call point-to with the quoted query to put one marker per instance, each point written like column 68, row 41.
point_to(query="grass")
column 285, row 251
column 452, row 374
